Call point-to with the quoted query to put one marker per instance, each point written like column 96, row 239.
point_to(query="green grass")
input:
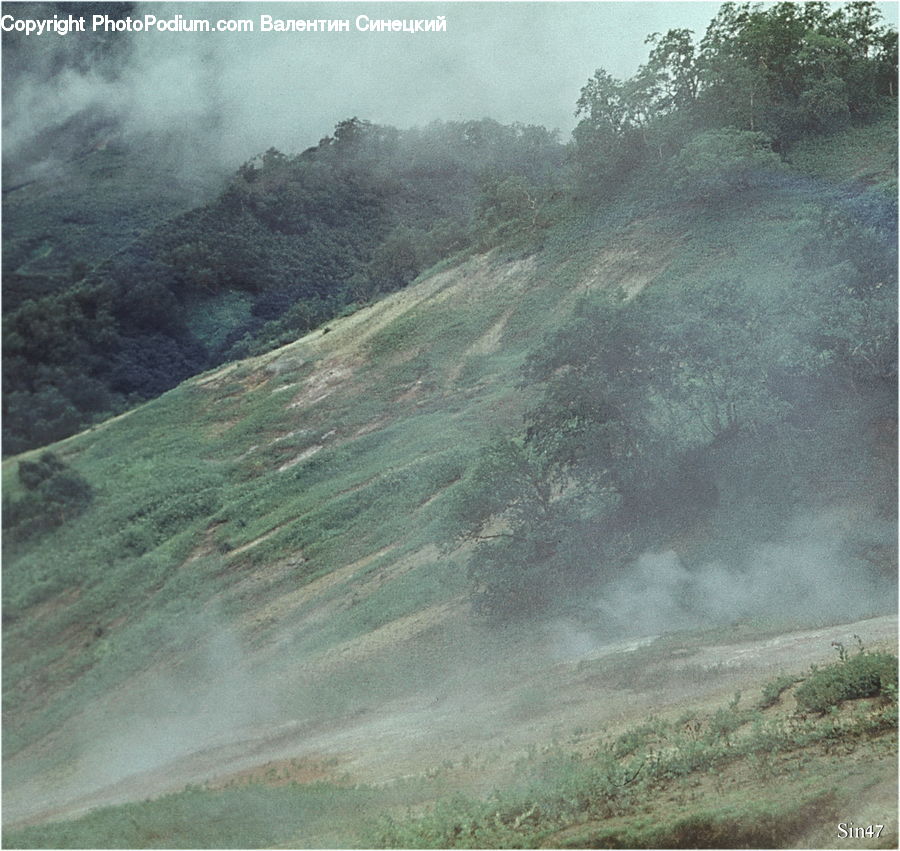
column 200, row 463
column 196, row 471
column 867, row 154
column 624, row 788
column 729, row 823
column 249, row 816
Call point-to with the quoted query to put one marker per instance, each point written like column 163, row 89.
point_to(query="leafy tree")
column 608, row 143
column 32, row 474
column 713, row 348
column 592, row 376
column 508, row 205
column 635, row 389
column 512, row 506
column 718, row 163
column 792, row 69
column 786, row 71
column 395, row 262
column 671, row 74
column 852, row 309
column 446, row 237
column 38, row 417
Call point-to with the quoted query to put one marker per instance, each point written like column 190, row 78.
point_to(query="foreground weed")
column 639, row 764
column 863, row 675
column 773, row 690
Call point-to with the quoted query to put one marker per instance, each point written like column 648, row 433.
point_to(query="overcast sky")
column 511, row 61
column 241, row 93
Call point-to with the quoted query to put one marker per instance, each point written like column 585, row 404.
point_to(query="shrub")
column 53, row 494
column 718, row 163
column 863, row 675
column 773, row 690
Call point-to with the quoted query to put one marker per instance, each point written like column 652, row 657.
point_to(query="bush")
column 773, row 690
column 863, row 675
column 718, row 163
column 53, row 494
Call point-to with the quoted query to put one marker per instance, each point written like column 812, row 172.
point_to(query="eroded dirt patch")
column 632, row 263
column 279, row 609
column 281, row 772
column 385, row 637
column 322, row 383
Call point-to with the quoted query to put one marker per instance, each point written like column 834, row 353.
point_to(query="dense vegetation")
column 600, row 798
column 651, row 403
column 859, row 675
column 693, row 398
column 758, row 79
column 295, row 240
column 291, row 242
column 52, row 494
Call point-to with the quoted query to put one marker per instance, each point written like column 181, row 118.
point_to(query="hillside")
column 118, row 288
column 51, row 237
column 452, row 487
column 275, row 539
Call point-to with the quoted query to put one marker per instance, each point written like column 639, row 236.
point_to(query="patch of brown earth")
column 256, row 541
column 386, row 637
column 371, row 582
column 632, row 262
column 358, row 586
column 484, row 345
column 215, row 377
column 219, row 428
column 320, row 385
column 303, row 456
column 279, row 609
column 372, row 426
column 206, row 547
column 54, row 604
column 410, row 394
column 334, row 375
column 283, row 772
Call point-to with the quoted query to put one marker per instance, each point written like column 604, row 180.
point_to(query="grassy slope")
column 296, row 497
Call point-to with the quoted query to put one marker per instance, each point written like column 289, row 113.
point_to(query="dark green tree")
column 717, row 164
column 54, row 493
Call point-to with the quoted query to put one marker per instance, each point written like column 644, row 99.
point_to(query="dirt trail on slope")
column 487, row 715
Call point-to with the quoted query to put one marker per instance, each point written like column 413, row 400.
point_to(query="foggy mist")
column 201, row 692
column 811, row 571
column 227, row 97
column 812, row 574
column 199, row 697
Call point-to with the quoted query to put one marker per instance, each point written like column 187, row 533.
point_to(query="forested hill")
column 291, row 242
column 294, row 240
